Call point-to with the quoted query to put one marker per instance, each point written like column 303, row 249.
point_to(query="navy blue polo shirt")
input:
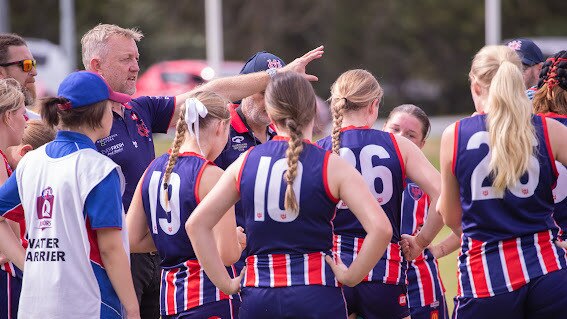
column 241, row 138
column 130, row 142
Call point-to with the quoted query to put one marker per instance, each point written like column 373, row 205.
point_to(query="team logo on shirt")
column 515, row 45
column 142, row 128
column 415, row 192
column 44, row 205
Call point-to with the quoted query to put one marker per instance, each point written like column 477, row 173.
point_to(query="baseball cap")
column 262, row 61
column 528, row 51
column 84, row 88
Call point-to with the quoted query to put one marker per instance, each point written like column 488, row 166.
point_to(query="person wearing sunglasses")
column 17, row 62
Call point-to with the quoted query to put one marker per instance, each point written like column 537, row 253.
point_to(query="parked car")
column 178, row 76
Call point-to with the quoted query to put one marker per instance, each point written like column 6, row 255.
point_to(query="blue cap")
column 84, row 88
column 262, row 61
column 528, row 51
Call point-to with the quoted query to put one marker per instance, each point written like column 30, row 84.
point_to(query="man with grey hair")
column 112, row 52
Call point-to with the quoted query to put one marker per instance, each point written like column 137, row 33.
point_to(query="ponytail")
column 509, row 126
column 180, row 129
column 49, row 109
column 295, row 147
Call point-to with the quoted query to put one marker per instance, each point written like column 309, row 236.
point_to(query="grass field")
column 447, row 265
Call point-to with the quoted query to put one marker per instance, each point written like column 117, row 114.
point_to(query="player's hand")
column 234, row 284
column 298, row 65
column 562, row 244
column 241, row 237
column 410, row 247
column 339, row 269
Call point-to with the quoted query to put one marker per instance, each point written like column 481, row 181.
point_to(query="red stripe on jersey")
column 314, row 269
column 357, row 246
column 478, row 273
column 242, row 168
column 546, row 252
column 198, row 182
column 7, row 267
column 424, row 276
column 548, row 147
column 194, row 280
column 393, row 264
column 170, row 291
column 16, row 214
column 420, row 212
column 455, row 147
column 279, row 266
column 250, row 271
column 326, row 180
column 513, row 263
column 400, row 158
column 95, row 253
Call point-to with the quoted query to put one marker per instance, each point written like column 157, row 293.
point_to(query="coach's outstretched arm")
column 237, row 87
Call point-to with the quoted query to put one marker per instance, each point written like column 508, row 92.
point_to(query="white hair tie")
column 194, row 109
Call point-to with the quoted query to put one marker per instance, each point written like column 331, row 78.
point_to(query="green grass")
column 447, row 265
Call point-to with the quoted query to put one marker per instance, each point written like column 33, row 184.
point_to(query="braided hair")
column 552, row 86
column 352, row 91
column 290, row 102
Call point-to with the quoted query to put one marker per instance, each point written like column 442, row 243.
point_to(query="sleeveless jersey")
column 560, row 190
column 423, row 280
column 286, row 248
column 184, row 284
column 375, row 154
column 507, row 238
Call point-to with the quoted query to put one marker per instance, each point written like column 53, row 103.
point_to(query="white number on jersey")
column 482, row 171
column 560, row 191
column 371, row 173
column 273, row 182
column 156, row 194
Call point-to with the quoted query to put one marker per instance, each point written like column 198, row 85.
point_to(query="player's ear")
column 25, row 149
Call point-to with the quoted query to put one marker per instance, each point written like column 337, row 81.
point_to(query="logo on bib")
column 44, row 205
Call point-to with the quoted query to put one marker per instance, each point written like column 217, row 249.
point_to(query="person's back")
column 376, row 156
column 268, row 225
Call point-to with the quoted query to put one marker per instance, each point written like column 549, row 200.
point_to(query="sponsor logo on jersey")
column 237, row 144
column 44, row 205
column 237, row 139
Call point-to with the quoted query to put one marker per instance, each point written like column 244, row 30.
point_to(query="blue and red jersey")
column 286, row 248
column 184, row 285
column 375, row 154
column 508, row 239
column 423, row 280
column 560, row 191
column 130, row 143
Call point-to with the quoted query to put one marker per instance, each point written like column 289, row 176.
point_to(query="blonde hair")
column 352, row 91
column 94, row 42
column 11, row 96
column 290, row 102
column 38, row 133
column 497, row 69
column 217, row 107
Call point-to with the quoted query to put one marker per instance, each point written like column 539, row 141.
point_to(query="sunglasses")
column 26, row 64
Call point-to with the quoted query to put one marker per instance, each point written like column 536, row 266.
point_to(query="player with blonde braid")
column 170, row 189
column 286, row 275
column 384, row 160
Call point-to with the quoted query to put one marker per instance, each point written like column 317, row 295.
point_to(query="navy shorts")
column 222, row 309
column 436, row 310
column 543, row 297
column 376, row 300
column 293, row 302
column 10, row 289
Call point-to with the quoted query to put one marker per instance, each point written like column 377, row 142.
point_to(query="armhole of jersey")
column 326, row 179
column 400, row 159
column 548, row 147
column 173, row 112
column 241, row 169
column 455, row 148
column 15, row 214
column 198, row 181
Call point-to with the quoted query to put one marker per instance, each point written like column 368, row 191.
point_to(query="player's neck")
column 190, row 145
column 355, row 119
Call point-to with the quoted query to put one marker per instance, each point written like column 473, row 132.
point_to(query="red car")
column 178, row 76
